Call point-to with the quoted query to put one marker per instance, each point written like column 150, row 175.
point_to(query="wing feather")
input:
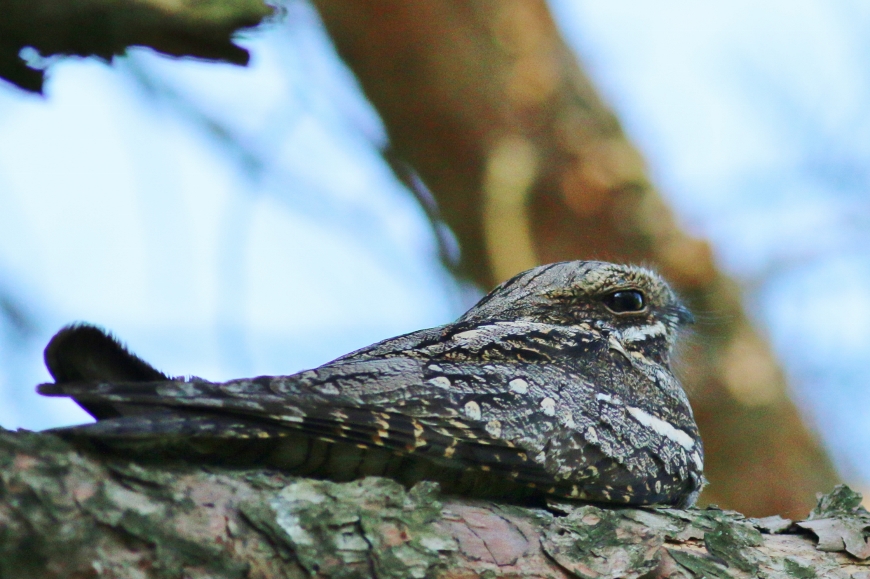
column 249, row 409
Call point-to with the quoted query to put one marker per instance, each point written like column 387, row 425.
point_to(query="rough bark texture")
column 486, row 102
column 105, row 28
column 67, row 514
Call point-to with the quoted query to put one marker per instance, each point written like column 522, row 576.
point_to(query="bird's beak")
column 684, row 316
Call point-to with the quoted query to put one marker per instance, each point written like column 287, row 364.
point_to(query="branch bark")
column 65, row 513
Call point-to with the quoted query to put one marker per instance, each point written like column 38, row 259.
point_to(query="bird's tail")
column 86, row 353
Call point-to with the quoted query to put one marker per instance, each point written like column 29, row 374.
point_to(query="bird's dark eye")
column 624, row 301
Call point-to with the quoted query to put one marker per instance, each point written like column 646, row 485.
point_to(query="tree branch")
column 66, row 513
column 104, row 28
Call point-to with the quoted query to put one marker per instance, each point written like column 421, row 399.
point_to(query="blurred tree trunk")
column 486, row 102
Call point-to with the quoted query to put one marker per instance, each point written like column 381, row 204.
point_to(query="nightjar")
column 557, row 382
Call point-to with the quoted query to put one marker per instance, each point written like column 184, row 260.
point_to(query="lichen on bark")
column 70, row 512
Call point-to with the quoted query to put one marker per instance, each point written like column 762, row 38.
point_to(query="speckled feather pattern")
column 538, row 389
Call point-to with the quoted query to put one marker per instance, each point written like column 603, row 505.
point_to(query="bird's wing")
column 389, row 403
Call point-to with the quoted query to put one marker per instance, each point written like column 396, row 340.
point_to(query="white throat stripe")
column 643, row 332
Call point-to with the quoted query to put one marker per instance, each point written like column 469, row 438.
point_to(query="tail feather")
column 86, row 353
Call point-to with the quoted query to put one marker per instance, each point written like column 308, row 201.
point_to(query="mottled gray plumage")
column 557, row 382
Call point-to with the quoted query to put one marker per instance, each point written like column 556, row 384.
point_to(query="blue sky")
column 228, row 222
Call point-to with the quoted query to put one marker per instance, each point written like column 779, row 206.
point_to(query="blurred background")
column 373, row 172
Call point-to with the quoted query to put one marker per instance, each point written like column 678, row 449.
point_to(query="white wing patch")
column 548, row 406
column 663, row 428
column 472, row 410
column 519, row 385
column 699, row 461
column 440, row 382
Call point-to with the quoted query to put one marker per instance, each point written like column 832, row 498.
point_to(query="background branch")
column 106, row 28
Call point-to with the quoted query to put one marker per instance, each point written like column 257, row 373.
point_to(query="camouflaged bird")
column 557, row 382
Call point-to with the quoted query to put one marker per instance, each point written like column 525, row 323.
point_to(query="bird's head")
column 630, row 303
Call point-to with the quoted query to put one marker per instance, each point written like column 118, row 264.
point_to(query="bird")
column 557, row 383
